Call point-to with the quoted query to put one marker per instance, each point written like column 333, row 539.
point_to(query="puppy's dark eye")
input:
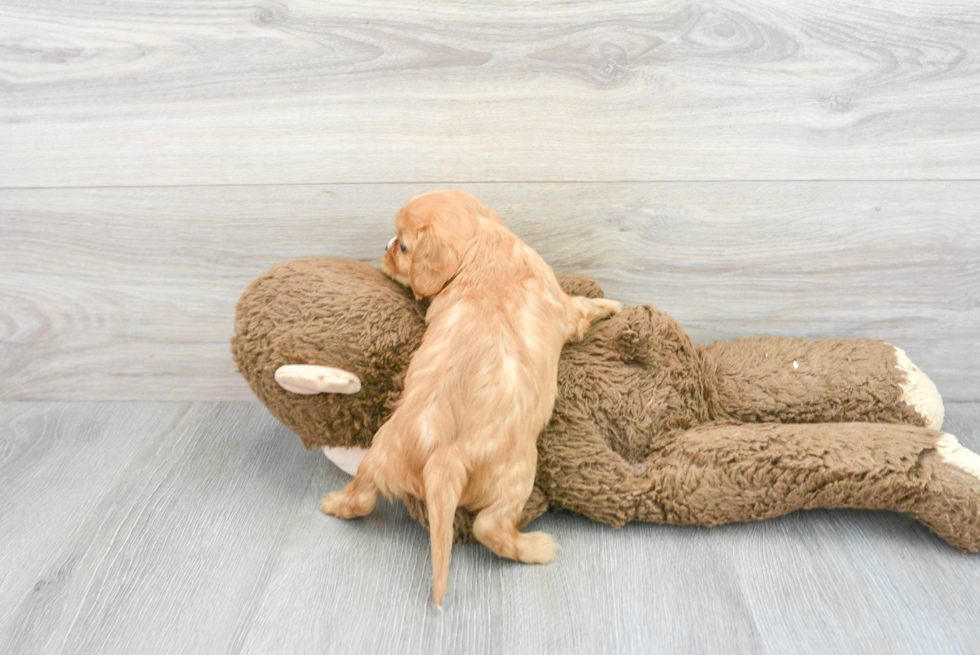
column 402, row 246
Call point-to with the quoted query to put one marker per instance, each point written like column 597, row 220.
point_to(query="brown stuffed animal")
column 647, row 426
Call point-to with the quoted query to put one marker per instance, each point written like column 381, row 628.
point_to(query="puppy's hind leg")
column 589, row 310
column 358, row 498
column 444, row 478
column 495, row 526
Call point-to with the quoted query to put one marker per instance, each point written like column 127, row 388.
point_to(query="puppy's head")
column 433, row 231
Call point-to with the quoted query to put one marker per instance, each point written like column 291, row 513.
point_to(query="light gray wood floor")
column 195, row 528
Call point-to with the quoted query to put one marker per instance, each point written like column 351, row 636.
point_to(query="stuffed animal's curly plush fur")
column 647, row 425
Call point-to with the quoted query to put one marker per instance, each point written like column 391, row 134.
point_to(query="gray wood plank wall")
column 753, row 168
column 149, row 91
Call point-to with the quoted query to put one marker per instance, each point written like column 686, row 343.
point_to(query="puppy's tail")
column 444, row 478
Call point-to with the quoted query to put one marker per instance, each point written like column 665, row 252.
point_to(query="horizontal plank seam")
column 501, row 182
column 8, row 402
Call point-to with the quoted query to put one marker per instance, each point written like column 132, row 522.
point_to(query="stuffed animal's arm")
column 800, row 381
column 720, row 473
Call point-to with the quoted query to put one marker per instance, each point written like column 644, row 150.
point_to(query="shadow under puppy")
column 481, row 386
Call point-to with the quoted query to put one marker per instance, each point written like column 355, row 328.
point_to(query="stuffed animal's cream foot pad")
column 309, row 379
column 920, row 392
column 951, row 452
column 346, row 459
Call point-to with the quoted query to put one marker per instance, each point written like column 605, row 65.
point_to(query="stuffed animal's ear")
column 435, row 260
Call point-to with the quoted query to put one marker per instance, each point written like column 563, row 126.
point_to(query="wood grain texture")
column 178, row 547
column 152, row 92
column 810, row 582
column 636, row 590
column 876, row 579
column 57, row 462
column 195, row 527
column 129, row 293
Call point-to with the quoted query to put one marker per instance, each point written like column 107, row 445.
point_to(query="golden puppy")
column 482, row 384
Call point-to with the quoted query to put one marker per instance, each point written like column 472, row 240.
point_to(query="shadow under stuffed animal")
column 647, row 426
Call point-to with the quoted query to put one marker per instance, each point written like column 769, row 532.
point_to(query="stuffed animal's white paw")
column 920, row 392
column 346, row 459
column 951, row 452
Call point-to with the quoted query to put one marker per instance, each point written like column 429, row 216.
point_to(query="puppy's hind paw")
column 536, row 548
column 333, row 503
column 345, row 505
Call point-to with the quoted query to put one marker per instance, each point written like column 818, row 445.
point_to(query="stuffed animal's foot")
column 310, row 379
column 919, row 392
column 951, row 452
column 346, row 459
column 950, row 505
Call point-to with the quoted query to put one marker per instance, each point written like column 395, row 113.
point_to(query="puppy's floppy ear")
column 435, row 260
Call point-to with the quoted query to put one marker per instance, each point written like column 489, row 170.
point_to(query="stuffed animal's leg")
column 717, row 474
column 799, row 381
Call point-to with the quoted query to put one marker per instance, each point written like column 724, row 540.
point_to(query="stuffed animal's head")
column 341, row 314
column 328, row 312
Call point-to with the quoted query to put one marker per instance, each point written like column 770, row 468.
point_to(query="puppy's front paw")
column 607, row 307
column 536, row 548
column 592, row 310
